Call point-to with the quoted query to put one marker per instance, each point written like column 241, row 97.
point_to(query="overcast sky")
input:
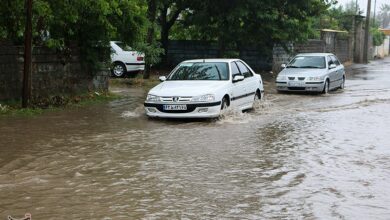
column 363, row 4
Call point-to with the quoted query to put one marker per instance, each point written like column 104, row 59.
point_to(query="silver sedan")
column 312, row 72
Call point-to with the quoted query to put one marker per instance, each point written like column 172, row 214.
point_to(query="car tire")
column 118, row 69
column 224, row 105
column 257, row 97
column 326, row 87
column 342, row 85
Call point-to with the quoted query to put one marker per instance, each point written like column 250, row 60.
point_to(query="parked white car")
column 312, row 72
column 125, row 60
column 204, row 89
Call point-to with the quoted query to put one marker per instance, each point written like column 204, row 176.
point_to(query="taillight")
column 140, row 58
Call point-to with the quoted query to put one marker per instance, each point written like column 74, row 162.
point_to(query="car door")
column 249, row 81
column 332, row 73
column 238, row 88
column 339, row 70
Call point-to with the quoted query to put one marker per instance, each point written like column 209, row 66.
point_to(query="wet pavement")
column 296, row 156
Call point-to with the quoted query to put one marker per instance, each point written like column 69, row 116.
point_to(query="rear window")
column 123, row 46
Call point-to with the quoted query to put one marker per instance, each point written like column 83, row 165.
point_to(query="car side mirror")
column 238, row 78
column 162, row 78
column 283, row 65
column 332, row 66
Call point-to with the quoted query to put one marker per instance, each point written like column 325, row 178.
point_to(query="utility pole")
column 26, row 94
column 374, row 11
column 366, row 33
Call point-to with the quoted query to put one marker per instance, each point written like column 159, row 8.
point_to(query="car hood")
column 302, row 72
column 186, row 88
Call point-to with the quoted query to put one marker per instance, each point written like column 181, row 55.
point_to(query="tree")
column 88, row 24
column 260, row 23
column 384, row 16
column 168, row 14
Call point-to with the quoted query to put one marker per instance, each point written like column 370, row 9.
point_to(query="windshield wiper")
column 219, row 74
column 292, row 66
column 314, row 67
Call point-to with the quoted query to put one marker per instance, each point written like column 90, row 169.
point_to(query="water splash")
column 137, row 112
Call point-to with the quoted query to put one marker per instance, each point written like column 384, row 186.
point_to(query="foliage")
column 337, row 18
column 153, row 50
column 378, row 36
column 88, row 24
column 138, row 81
column 384, row 16
column 244, row 22
column 53, row 103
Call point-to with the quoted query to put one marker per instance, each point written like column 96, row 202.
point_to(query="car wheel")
column 118, row 70
column 326, row 87
column 256, row 99
column 342, row 85
column 224, row 105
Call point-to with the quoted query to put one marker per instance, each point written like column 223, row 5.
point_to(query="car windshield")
column 123, row 46
column 317, row 62
column 201, row 71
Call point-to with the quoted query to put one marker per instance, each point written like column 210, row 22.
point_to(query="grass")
column 136, row 82
column 55, row 103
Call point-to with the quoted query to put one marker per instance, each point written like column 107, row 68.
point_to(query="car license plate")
column 175, row 107
column 295, row 83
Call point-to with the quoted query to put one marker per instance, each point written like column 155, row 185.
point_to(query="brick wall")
column 52, row 74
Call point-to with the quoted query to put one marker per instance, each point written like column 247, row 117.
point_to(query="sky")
column 363, row 4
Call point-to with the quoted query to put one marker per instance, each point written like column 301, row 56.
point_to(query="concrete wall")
column 52, row 74
column 340, row 47
column 180, row 50
column 382, row 50
column 280, row 55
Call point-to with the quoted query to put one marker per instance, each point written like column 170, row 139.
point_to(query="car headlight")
column 152, row 98
column 315, row 78
column 281, row 78
column 203, row 98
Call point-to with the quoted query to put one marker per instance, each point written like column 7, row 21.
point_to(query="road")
column 296, row 156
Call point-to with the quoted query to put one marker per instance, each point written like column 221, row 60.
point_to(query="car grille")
column 301, row 78
column 175, row 99
column 190, row 107
column 291, row 78
column 297, row 88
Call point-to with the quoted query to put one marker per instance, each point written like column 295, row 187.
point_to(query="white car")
column 312, row 72
column 204, row 89
column 125, row 60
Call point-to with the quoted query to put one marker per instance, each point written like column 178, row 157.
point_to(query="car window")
column 335, row 60
column 235, row 70
column 123, row 46
column 200, row 71
column 244, row 70
column 330, row 61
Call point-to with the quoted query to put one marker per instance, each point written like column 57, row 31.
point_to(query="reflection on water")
column 293, row 156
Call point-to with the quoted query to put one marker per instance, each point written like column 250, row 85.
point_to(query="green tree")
column 242, row 22
column 384, row 15
column 89, row 24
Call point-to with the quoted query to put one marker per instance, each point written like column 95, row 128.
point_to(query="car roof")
column 314, row 54
column 211, row 60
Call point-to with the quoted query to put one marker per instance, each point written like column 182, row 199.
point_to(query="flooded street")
column 296, row 156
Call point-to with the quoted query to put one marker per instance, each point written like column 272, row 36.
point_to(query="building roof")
column 314, row 54
column 334, row 31
column 385, row 30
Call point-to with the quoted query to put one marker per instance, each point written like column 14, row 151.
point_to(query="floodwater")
column 296, row 156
